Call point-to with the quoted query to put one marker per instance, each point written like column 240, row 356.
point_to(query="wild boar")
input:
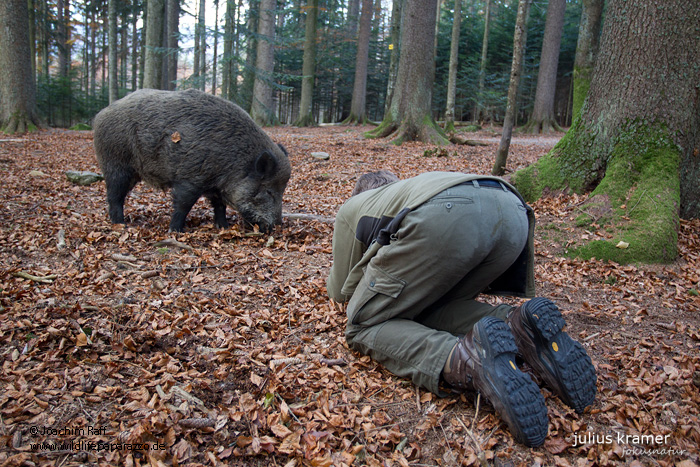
column 196, row 145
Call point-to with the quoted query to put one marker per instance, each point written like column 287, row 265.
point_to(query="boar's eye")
column 265, row 165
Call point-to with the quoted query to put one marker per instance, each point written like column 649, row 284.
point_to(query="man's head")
column 372, row 180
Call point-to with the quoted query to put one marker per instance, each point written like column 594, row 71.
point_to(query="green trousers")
column 418, row 293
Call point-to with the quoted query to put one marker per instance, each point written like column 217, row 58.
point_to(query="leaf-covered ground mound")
column 127, row 345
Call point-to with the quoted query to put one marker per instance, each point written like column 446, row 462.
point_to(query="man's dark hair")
column 372, row 180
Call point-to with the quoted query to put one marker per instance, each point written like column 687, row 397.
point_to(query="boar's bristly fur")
column 197, row 145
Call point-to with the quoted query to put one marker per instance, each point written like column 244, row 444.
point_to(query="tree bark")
column 261, row 109
column 32, row 35
column 172, row 42
column 17, row 88
column 134, row 45
column 519, row 41
column 214, row 70
column 396, row 11
column 202, row 45
column 586, row 50
column 478, row 106
column 637, row 139
column 62, row 39
column 153, row 64
column 352, row 19
column 409, row 117
column 543, row 119
column 452, row 73
column 358, row 107
column 227, row 59
column 245, row 96
column 112, row 46
column 306, row 117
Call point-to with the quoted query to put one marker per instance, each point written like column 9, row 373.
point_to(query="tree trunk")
column 86, row 54
column 245, row 97
column 306, row 116
column 261, row 109
column 353, row 15
column 214, row 70
column 478, row 106
column 586, row 50
column 93, row 54
column 358, row 107
column 32, row 36
column 62, row 39
column 112, row 46
column 17, row 106
column 452, row 74
column 637, row 139
column 409, row 117
column 153, row 66
column 172, row 42
column 396, row 10
column 124, row 49
column 519, row 41
column 231, row 45
column 543, row 119
column 134, row 45
column 227, row 58
column 194, row 77
column 202, row 45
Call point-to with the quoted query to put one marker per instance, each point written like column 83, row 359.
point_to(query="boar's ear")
column 284, row 150
column 265, row 165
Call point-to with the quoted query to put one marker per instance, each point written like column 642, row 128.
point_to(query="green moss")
column 582, row 82
column 642, row 186
column 81, row 127
column 634, row 175
column 584, row 220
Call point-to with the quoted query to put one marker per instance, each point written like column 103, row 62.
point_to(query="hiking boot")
column 484, row 359
column 561, row 362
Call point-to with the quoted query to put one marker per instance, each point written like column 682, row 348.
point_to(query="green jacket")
column 365, row 222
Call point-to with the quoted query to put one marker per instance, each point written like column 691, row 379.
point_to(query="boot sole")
column 561, row 361
column 513, row 393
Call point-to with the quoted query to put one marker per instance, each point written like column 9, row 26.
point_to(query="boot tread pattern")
column 515, row 396
column 566, row 364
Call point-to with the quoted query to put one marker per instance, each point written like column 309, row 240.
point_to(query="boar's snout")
column 258, row 198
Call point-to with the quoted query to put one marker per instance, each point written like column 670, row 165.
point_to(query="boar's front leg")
column 217, row 202
column 184, row 197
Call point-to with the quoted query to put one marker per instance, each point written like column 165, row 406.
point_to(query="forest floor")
column 220, row 347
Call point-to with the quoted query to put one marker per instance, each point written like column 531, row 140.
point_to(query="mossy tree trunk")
column 17, row 88
column 409, row 117
column 586, row 50
column 635, row 144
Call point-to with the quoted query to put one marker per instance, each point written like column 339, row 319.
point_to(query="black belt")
column 487, row 182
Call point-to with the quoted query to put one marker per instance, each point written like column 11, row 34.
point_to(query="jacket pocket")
column 378, row 287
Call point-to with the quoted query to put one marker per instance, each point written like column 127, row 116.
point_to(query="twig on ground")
column 42, row 279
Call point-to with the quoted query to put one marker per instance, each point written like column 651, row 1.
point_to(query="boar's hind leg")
column 217, row 202
column 117, row 189
column 184, row 197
